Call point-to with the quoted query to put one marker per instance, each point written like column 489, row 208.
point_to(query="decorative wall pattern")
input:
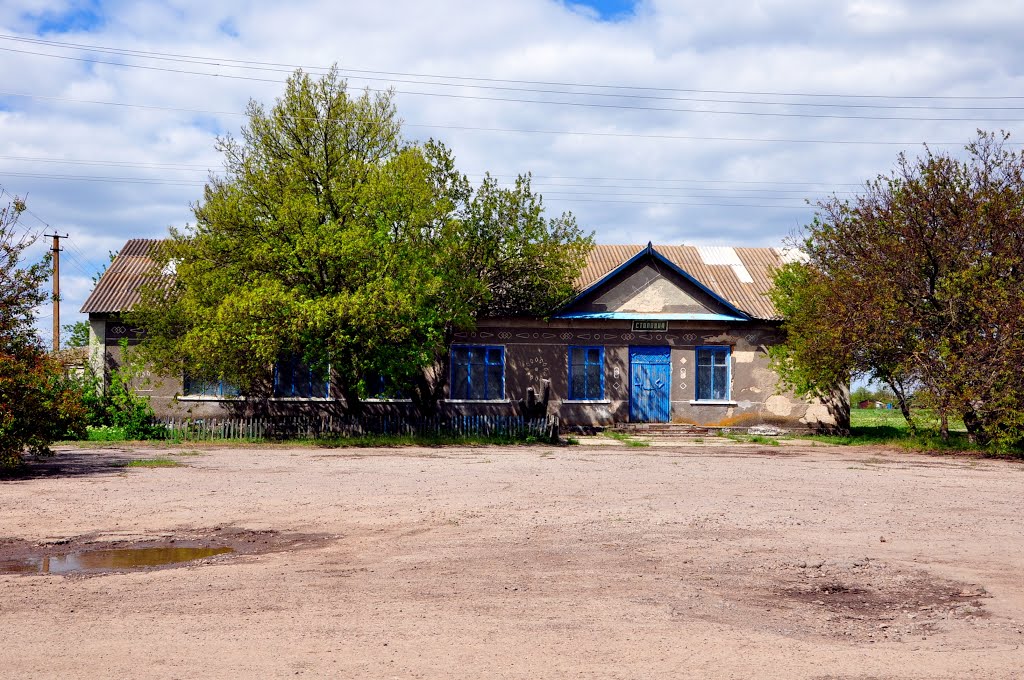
column 587, row 337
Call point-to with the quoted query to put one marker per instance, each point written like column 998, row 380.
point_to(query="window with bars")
column 478, row 372
column 586, row 373
column 713, row 374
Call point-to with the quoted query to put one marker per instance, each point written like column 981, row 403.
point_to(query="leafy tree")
column 918, row 283
column 331, row 237
column 77, row 334
column 38, row 404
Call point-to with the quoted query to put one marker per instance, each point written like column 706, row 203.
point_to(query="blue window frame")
column 586, row 373
column 294, row 378
column 713, row 373
column 478, row 372
column 199, row 387
column 379, row 386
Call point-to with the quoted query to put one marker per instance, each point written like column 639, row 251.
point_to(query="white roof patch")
column 719, row 255
column 791, row 255
column 725, row 255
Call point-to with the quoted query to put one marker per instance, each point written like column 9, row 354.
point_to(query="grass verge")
column 885, row 427
column 625, row 439
column 153, row 463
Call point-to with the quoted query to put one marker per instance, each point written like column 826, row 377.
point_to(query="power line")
column 575, row 197
column 204, row 168
column 110, row 163
column 505, row 88
column 538, row 186
column 118, row 180
column 469, row 128
column 276, row 66
column 597, row 105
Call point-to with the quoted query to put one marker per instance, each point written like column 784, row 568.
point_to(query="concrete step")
column 677, row 430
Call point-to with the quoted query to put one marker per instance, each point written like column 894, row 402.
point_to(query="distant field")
column 887, row 426
column 881, row 417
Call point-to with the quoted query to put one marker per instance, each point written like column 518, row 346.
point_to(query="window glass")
column 586, row 373
column 478, row 372
column 713, row 373
column 293, row 378
column 193, row 386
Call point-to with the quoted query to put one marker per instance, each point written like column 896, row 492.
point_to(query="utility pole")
column 56, row 287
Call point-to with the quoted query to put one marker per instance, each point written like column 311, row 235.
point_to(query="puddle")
column 109, row 559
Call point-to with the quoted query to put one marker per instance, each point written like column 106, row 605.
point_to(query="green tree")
column 38, row 404
column 918, row 284
column 77, row 334
column 331, row 237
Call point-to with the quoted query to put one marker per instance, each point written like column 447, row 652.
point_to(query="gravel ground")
column 673, row 561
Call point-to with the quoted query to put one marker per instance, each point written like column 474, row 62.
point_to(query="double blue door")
column 650, row 373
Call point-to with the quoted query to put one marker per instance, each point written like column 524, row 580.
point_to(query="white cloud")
column 878, row 47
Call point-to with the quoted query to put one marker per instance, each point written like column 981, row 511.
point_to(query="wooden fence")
column 291, row 427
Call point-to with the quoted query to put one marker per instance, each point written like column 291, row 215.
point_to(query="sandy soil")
column 532, row 562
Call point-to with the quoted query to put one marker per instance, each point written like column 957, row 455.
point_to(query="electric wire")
column 583, row 133
column 598, row 105
column 534, row 176
column 259, row 65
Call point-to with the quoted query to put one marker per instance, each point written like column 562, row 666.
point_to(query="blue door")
column 650, row 374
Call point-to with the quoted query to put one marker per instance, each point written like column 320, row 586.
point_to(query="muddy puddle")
column 115, row 559
column 87, row 556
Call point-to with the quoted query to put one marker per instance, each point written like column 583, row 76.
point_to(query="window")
column 586, row 373
column 198, row 387
column 293, row 378
column 478, row 372
column 379, row 386
column 712, row 374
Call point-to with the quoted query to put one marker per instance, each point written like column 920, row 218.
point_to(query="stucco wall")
column 537, row 352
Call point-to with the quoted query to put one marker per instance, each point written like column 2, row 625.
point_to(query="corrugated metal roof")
column 118, row 288
column 745, row 287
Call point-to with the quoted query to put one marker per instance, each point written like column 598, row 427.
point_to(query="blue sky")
column 697, row 123
column 609, row 9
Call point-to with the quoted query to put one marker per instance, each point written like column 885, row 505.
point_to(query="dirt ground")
column 582, row 561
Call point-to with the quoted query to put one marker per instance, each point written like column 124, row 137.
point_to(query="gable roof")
column 118, row 288
column 740, row 277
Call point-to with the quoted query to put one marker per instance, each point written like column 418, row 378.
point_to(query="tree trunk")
column 943, row 424
column 353, row 404
column 975, row 427
column 904, row 404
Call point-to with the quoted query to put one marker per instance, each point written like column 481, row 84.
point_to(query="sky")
column 673, row 122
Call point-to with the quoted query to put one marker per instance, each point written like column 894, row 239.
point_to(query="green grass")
column 625, row 439
column 153, row 463
column 889, row 427
column 752, row 439
column 105, row 433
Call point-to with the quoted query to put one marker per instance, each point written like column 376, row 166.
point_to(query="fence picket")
column 281, row 427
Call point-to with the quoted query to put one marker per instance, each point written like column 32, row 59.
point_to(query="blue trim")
column 469, row 385
column 585, row 364
column 294, row 362
column 652, row 317
column 715, row 350
column 223, row 389
column 649, row 402
column 650, row 251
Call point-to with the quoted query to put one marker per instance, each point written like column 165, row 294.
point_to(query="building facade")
column 657, row 334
